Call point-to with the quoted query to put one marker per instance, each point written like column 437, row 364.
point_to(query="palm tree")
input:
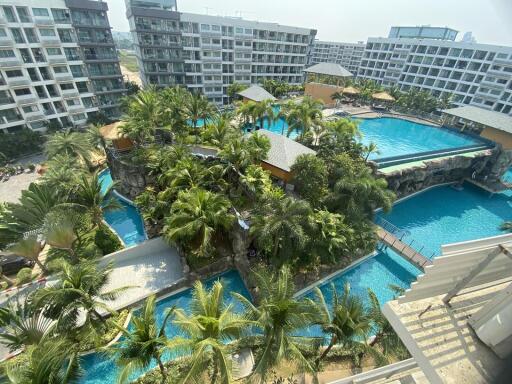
column 145, row 113
column 143, row 342
column 186, row 174
column 304, row 116
column 74, row 144
column 95, row 137
column 280, row 317
column 220, row 130
column 369, row 149
column 264, row 110
column 63, row 173
column 52, row 362
column 81, row 288
column 209, row 331
column 345, row 322
column 337, row 97
column 279, row 227
column 255, row 179
column 196, row 217
column 30, row 248
column 88, row 195
column 385, row 336
column 246, row 111
column 23, row 326
column 60, row 232
column 198, row 107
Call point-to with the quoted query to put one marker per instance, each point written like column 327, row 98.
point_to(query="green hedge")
column 106, row 240
column 24, row 142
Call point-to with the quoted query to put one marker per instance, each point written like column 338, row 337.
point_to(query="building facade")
column 208, row 53
column 348, row 55
column 475, row 74
column 58, row 64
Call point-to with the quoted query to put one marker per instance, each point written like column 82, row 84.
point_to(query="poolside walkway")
column 147, row 268
column 403, row 249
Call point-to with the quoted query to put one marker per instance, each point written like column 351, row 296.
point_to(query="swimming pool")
column 377, row 273
column 398, row 137
column 126, row 221
column 279, row 126
column 100, row 368
column 443, row 215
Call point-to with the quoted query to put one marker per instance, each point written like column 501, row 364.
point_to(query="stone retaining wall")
column 132, row 179
column 490, row 164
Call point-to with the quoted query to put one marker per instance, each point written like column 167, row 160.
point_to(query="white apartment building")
column 208, row 53
column 475, row 74
column 348, row 55
column 58, row 63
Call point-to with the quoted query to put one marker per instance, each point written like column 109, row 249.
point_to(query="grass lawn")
column 129, row 61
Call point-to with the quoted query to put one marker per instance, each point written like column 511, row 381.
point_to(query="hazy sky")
column 353, row 20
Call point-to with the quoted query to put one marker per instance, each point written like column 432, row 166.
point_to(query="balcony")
column 41, row 21
column 18, row 81
column 25, row 99
column 3, row 20
column 492, row 84
column 50, row 41
column 5, row 41
column 63, row 77
column 10, row 63
column 61, row 59
column 76, row 108
column 34, row 116
column 503, row 61
column 69, row 93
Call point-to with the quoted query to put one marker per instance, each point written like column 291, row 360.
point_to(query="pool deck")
column 147, row 269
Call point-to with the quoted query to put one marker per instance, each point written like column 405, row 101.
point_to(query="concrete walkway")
column 147, row 268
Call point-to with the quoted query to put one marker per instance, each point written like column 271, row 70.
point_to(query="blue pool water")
column 126, row 221
column 397, row 137
column 279, row 126
column 102, row 369
column 377, row 273
column 507, row 177
column 443, row 215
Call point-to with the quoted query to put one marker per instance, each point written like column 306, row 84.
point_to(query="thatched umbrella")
column 112, row 131
column 383, row 96
column 351, row 91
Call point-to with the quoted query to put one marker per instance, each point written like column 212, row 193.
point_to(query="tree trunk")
column 162, row 369
column 333, row 342
column 214, row 373
column 41, row 266
column 73, row 255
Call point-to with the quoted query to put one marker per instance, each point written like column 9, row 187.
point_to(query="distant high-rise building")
column 59, row 64
column 468, row 38
column 348, row 55
column 423, row 32
column 475, row 74
column 208, row 53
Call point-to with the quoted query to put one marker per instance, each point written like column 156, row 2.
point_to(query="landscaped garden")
column 209, row 195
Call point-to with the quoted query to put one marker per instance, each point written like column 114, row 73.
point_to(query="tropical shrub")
column 24, row 276
column 21, row 143
column 106, row 240
column 310, row 178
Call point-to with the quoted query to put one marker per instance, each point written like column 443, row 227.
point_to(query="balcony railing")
column 42, row 21
column 17, row 81
column 10, row 62
column 63, row 77
column 57, row 59
column 25, row 99
column 6, row 41
column 76, row 108
column 50, row 41
column 69, row 93
column 34, row 116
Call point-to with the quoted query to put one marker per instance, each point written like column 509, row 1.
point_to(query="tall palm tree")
column 22, row 326
column 88, row 195
column 279, row 227
column 255, row 179
column 196, row 216
column 370, row 149
column 60, row 232
column 52, row 362
column 63, row 173
column 337, row 97
column 144, row 341
column 345, row 321
column 304, row 116
column 220, row 130
column 74, row 144
column 198, row 107
column 385, row 336
column 95, row 137
column 188, row 173
column 264, row 110
column 209, row 330
column 81, row 288
column 29, row 248
column 246, row 111
column 280, row 317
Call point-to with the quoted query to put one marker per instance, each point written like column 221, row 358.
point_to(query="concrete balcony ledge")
column 57, row 59
column 63, row 76
column 48, row 41
column 26, row 99
column 16, row 81
column 35, row 116
column 42, row 21
column 70, row 93
column 6, row 41
column 13, row 62
column 76, row 109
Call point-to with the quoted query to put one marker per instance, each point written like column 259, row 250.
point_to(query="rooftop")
column 329, row 69
column 482, row 116
column 256, row 93
column 283, row 151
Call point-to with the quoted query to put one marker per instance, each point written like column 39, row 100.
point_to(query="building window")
column 53, row 51
column 67, row 86
column 61, row 15
column 5, row 53
column 9, row 14
column 22, row 91
column 47, row 32
column 14, row 73
column 25, row 55
column 30, row 108
column 205, row 27
column 38, row 55
column 60, row 69
column 31, row 35
column 72, row 102
column 18, row 36
column 42, row 12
